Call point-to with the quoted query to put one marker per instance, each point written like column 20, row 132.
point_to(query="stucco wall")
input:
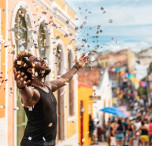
column 3, row 132
column 84, row 94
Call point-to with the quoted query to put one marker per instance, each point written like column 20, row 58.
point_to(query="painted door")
column 81, row 122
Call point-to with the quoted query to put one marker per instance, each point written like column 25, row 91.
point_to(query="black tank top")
column 130, row 128
column 111, row 129
column 42, row 121
column 144, row 132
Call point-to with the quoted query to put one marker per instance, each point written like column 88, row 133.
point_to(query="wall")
column 34, row 8
column 145, row 56
column 3, row 108
column 104, row 90
column 84, row 92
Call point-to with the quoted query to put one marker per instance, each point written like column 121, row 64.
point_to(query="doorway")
column 81, row 122
column 60, row 97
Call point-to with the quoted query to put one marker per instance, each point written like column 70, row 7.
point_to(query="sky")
column 111, row 25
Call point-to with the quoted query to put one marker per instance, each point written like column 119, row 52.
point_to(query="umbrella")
column 114, row 111
column 126, row 112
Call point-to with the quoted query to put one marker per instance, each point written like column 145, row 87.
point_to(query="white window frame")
column 26, row 7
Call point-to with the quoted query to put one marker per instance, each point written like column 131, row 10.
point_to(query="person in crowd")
column 95, row 133
column 37, row 97
column 150, row 132
column 108, row 132
column 144, row 134
column 91, row 129
column 145, row 101
column 103, row 131
column 146, row 120
column 99, row 131
column 137, row 125
column 112, row 134
column 125, row 123
column 131, row 132
column 119, row 130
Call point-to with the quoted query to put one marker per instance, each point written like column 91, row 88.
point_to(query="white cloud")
column 135, row 46
column 130, row 15
column 132, row 22
column 121, row 15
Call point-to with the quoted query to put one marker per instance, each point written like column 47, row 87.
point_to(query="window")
column 42, row 40
column 20, row 31
column 71, row 90
column 58, row 60
column 60, row 94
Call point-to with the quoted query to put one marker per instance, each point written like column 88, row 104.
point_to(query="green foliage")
column 150, row 68
column 142, row 90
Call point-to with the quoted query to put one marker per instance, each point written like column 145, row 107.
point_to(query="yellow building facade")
column 46, row 28
column 85, row 108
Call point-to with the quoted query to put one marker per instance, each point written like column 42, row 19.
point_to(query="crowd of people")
column 135, row 130
column 125, row 131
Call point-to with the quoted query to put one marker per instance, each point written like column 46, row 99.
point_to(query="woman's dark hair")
column 142, row 123
column 151, row 120
column 120, row 122
column 22, row 63
column 90, row 117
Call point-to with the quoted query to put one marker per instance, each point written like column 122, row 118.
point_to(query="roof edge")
column 85, row 85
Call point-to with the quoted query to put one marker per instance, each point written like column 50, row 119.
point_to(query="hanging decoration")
column 129, row 76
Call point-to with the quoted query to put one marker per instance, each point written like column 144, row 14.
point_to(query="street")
column 101, row 144
column 105, row 144
column 73, row 72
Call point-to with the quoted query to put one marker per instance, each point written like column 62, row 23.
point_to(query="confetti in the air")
column 50, row 125
column 29, row 138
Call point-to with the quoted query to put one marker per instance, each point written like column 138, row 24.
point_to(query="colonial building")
column 94, row 93
column 103, row 98
column 119, row 59
column 45, row 28
column 144, row 57
column 124, row 59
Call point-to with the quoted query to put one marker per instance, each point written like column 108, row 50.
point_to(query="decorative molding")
column 30, row 24
column 63, row 31
column 56, row 10
column 45, row 5
column 65, row 1
column 63, row 17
